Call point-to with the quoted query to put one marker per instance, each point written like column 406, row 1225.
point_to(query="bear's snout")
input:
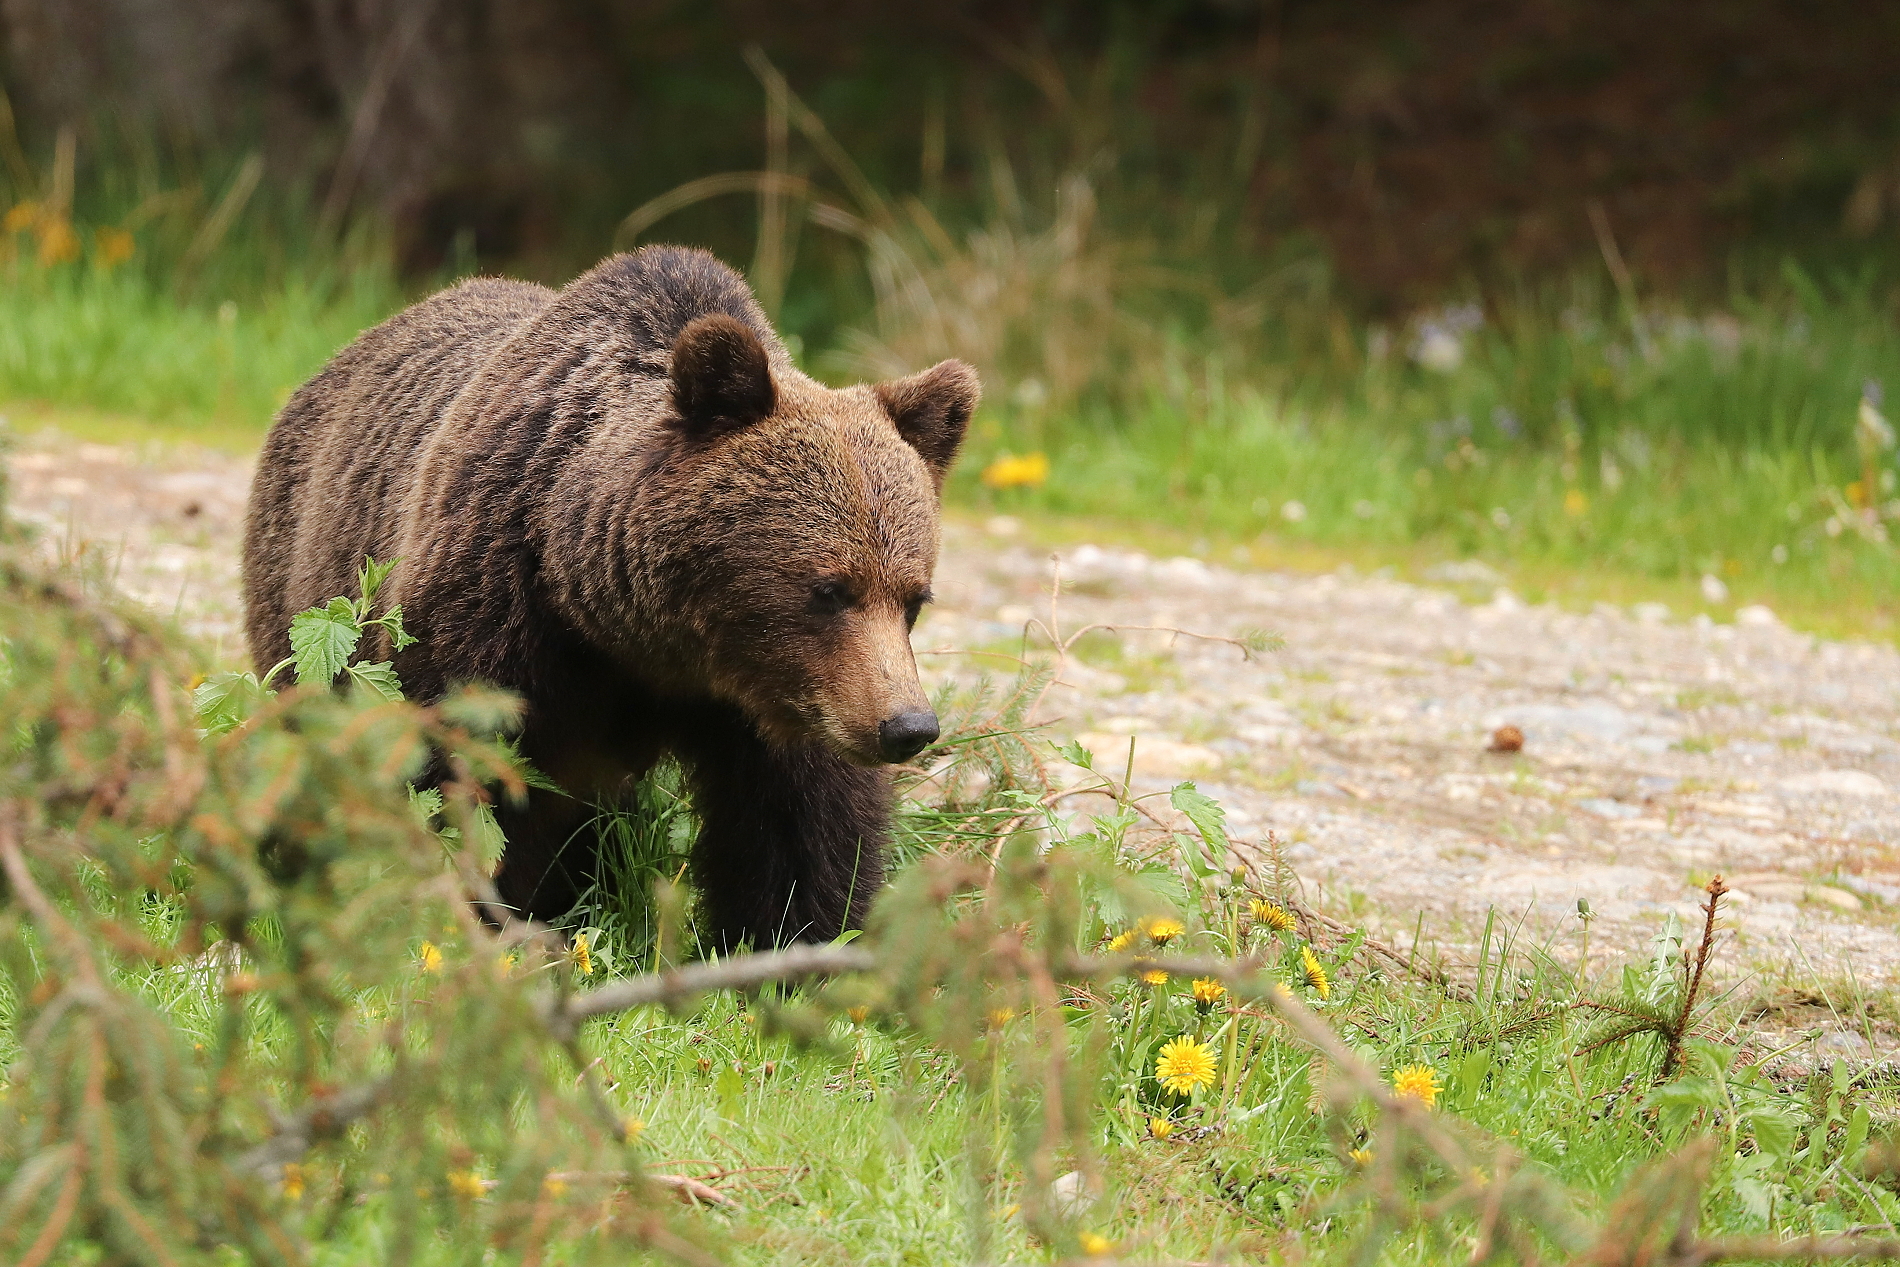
column 902, row 737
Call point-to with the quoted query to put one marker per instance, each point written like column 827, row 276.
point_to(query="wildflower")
column 431, row 958
column 112, row 247
column 583, row 957
column 1163, row 931
column 1315, row 973
column 466, row 1184
column 1273, row 916
column 1154, row 976
column 554, row 1186
column 20, row 216
column 1361, row 1156
column 1160, row 1127
column 1120, row 942
column 1417, row 1082
column 1000, row 1016
column 58, row 243
column 631, row 1128
column 858, row 1013
column 1207, row 992
column 1095, row 1245
column 1009, row 471
column 292, row 1182
column 1184, row 1064
column 1576, row 502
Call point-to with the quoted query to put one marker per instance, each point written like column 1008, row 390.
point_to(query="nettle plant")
column 323, row 642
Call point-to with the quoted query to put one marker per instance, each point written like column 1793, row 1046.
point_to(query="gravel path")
column 1656, row 752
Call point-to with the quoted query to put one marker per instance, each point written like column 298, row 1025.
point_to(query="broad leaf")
column 224, row 701
column 322, row 640
column 1075, row 754
column 380, row 677
column 1208, row 817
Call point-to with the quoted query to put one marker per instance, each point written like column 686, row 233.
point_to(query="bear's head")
column 802, row 527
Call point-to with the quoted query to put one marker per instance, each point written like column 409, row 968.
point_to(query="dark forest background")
column 1418, row 143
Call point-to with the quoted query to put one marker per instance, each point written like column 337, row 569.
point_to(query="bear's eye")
column 830, row 598
column 914, row 608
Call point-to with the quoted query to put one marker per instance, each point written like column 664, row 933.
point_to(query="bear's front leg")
column 550, row 857
column 791, row 846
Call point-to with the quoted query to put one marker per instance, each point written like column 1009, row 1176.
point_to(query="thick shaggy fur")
column 623, row 502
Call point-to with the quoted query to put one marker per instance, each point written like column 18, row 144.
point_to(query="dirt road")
column 1656, row 751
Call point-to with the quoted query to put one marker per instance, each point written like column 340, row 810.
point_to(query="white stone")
column 1836, row 782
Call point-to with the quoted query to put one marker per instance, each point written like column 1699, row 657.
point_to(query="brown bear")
column 624, row 503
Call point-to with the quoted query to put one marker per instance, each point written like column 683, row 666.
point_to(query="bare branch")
column 679, row 984
column 324, row 1117
column 1800, row 1249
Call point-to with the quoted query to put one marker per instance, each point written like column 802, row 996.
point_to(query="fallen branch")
column 676, row 985
column 1800, row 1249
column 324, row 1117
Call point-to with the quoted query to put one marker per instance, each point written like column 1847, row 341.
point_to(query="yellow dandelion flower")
column 1208, row 992
column 23, row 215
column 1009, row 471
column 1163, row 931
column 1154, row 976
column 554, row 1186
column 292, row 1182
column 1184, row 1064
column 1315, row 973
column 1160, row 1127
column 1576, row 501
column 1417, row 1082
column 583, row 957
column 858, row 1014
column 631, row 1128
column 1094, row 1244
column 59, row 243
column 466, row 1184
column 1361, row 1156
column 1273, row 916
column 429, row 957
column 1000, row 1016
column 1120, row 942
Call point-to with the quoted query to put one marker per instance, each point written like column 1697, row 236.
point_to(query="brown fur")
column 622, row 501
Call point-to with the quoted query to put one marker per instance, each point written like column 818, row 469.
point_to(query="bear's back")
column 335, row 468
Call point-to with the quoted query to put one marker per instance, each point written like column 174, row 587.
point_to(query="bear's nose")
column 907, row 734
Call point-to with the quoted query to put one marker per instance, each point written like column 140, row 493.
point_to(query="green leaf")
column 392, row 621
column 1856, row 1135
column 489, row 840
column 427, row 803
column 1075, row 754
column 380, row 677
column 1208, row 818
column 370, row 578
column 1773, row 1131
column 1757, row 1198
column 848, row 936
column 1472, row 1071
column 322, row 640
column 224, row 701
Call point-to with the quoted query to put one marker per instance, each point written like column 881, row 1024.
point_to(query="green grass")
column 865, row 1142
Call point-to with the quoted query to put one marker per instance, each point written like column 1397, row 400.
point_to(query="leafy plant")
column 322, row 641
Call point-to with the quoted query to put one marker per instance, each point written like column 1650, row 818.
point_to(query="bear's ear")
column 722, row 380
column 932, row 410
